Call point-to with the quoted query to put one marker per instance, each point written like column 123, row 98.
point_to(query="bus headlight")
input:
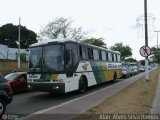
column 29, row 86
column 55, row 87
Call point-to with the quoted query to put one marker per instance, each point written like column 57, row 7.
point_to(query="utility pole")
column 19, row 37
column 146, row 39
column 157, row 36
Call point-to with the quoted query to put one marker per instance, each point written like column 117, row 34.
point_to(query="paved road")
column 30, row 102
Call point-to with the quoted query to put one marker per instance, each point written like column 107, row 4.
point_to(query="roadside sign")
column 145, row 51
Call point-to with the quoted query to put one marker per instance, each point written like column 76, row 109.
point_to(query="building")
column 11, row 53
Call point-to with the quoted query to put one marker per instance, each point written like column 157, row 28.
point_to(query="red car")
column 18, row 81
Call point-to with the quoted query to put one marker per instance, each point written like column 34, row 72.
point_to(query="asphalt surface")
column 71, row 109
column 29, row 102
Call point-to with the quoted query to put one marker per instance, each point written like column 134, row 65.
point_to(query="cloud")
column 133, row 27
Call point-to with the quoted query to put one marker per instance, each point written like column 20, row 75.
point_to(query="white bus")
column 66, row 65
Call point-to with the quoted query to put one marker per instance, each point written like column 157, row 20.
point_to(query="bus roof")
column 63, row 40
column 47, row 41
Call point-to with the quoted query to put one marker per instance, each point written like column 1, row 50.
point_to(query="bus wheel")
column 82, row 85
column 114, row 77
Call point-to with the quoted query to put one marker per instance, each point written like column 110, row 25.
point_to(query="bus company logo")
column 85, row 67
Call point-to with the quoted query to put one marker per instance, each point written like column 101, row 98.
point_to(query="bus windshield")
column 51, row 61
column 53, row 58
column 35, row 59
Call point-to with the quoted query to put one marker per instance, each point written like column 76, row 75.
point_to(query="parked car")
column 5, row 94
column 125, row 72
column 18, row 81
column 141, row 68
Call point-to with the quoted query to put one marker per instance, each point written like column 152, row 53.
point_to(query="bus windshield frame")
column 47, row 58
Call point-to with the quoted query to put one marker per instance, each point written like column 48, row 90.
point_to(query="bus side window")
column 115, row 59
column 84, row 53
column 103, row 55
column 68, row 60
column 95, row 54
column 118, row 58
column 110, row 57
column 73, row 48
column 90, row 53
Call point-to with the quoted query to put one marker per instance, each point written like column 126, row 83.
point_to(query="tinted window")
column 109, row 56
column 35, row 58
column 53, row 58
column 73, row 48
column 90, row 53
column 115, row 59
column 118, row 58
column 95, row 54
column 84, row 52
column 103, row 55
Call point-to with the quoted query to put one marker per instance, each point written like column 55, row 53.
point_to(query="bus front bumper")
column 47, row 87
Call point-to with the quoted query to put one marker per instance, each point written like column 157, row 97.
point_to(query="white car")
column 141, row 68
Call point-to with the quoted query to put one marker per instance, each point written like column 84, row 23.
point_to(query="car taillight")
column 9, row 89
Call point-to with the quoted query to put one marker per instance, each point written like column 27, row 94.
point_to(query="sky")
column 114, row 20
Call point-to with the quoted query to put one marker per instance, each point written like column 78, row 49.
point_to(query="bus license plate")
column 34, row 76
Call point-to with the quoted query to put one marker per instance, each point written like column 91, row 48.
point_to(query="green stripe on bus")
column 98, row 72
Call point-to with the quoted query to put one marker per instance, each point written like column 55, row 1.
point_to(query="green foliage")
column 125, row 51
column 22, row 57
column 95, row 41
column 142, row 62
column 9, row 36
column 156, row 55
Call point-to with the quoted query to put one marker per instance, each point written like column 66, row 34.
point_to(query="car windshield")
column 53, row 58
column 11, row 76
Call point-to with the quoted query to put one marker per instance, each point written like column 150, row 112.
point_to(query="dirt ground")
column 137, row 98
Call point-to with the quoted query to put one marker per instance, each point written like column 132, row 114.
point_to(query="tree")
column 9, row 36
column 125, row 51
column 61, row 27
column 142, row 62
column 156, row 55
column 95, row 41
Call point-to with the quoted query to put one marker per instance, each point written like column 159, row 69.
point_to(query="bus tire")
column 114, row 76
column 82, row 85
